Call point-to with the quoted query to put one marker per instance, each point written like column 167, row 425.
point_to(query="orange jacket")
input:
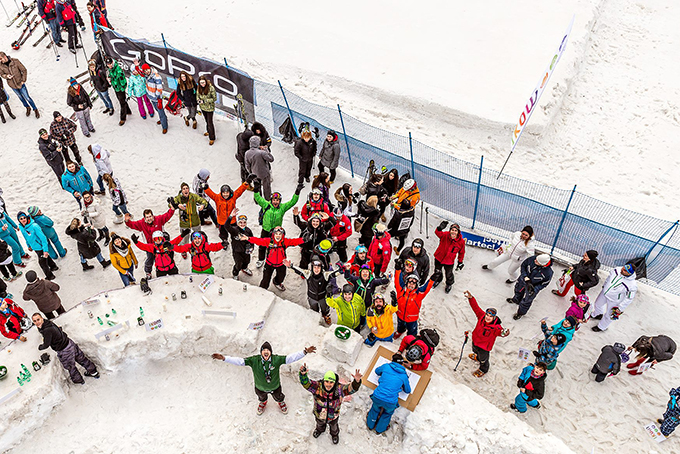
column 225, row 207
column 409, row 301
column 413, row 196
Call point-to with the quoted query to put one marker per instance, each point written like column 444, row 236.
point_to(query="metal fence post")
column 290, row 112
column 479, row 185
column 349, row 153
column 413, row 168
column 564, row 215
column 650, row 262
column 225, row 62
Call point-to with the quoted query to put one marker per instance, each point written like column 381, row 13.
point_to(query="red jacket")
column 225, row 207
column 13, row 318
column 312, row 207
column 409, row 301
column 448, row 249
column 162, row 258
column 200, row 256
column 380, row 251
column 484, row 334
column 342, row 228
column 427, row 354
column 276, row 252
column 148, row 229
column 356, row 264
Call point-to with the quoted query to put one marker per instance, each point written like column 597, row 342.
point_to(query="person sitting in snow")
column 10, row 319
column 531, row 384
column 200, row 250
column 418, row 350
column 162, row 250
column 348, row 305
column 328, row 396
column 276, row 253
column 317, row 281
column 265, row 367
column 392, row 380
column 379, row 318
column 487, row 329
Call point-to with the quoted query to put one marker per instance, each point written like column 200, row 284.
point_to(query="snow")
column 604, row 110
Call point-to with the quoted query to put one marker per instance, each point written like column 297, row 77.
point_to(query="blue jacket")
column 35, row 239
column 392, row 381
column 539, row 276
column 6, row 220
column 77, row 182
column 568, row 333
column 46, row 225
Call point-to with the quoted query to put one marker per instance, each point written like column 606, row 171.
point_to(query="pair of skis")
column 28, row 31
column 239, row 107
column 24, row 10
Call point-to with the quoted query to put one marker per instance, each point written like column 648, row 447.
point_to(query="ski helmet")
column 276, row 195
column 411, row 262
column 316, row 191
column 348, row 288
column 325, row 246
column 337, row 213
column 412, row 277
column 360, row 248
column 316, row 262
column 414, row 353
column 418, row 242
column 430, row 336
column 198, row 234
column 379, row 229
column 279, row 230
column 33, row 211
column 409, row 184
column 158, row 236
column 378, row 296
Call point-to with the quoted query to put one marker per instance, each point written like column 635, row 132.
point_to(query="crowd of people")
column 376, row 219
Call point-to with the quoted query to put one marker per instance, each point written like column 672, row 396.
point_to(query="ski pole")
column 421, row 218
column 6, row 13
column 427, row 222
column 461, row 350
column 80, row 38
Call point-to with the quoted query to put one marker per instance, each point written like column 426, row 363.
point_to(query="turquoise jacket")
column 6, row 221
column 77, row 182
column 35, row 238
column 46, row 225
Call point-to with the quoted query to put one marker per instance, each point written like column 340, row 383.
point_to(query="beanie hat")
column 145, row 67
column 529, row 230
column 619, row 348
column 33, row 210
column 56, row 114
column 72, row 81
column 31, row 276
column 266, row 346
column 592, row 255
column 183, row 184
column 330, row 376
column 42, row 131
column 571, row 320
column 629, row 268
column 543, row 259
column 331, row 133
column 21, row 214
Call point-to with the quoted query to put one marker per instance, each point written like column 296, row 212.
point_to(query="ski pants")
column 315, row 305
column 72, row 35
column 141, row 100
column 599, row 376
column 124, row 107
column 24, row 97
column 513, row 268
column 170, row 272
column 269, row 271
column 380, row 415
column 603, row 306
column 410, row 327
column 71, row 355
column 482, row 357
column 448, row 271
column 332, row 171
column 263, row 396
column 521, row 402
column 54, row 240
column 321, row 426
column 523, row 298
column 567, row 287
column 304, row 170
column 13, row 241
column 241, row 262
column 341, row 248
column 671, row 420
column 85, row 122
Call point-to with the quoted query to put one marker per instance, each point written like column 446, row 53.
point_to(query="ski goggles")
column 360, row 249
column 196, row 235
column 241, row 217
column 276, row 195
column 278, row 230
column 491, row 311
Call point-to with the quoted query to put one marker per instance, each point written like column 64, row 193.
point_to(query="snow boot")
column 261, row 407
column 327, row 320
column 28, row 111
column 511, row 300
column 316, row 433
column 247, row 272
column 397, row 335
column 597, row 317
column 473, row 357
column 485, row 267
column 95, row 375
column 448, row 288
column 87, row 266
column 597, row 329
column 25, row 256
column 513, row 407
column 478, row 373
column 105, row 263
column 508, row 281
column 144, row 285
column 555, row 292
column 517, row 317
column 37, row 114
column 283, row 407
column 280, row 287
column 636, row 364
column 335, row 439
column 20, row 265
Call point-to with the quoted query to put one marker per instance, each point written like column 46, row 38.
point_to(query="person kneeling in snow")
column 484, row 335
column 392, row 379
column 328, row 396
column 68, row 351
column 265, row 367
column 419, row 349
column 11, row 316
column 531, row 384
column 379, row 320
column 200, row 250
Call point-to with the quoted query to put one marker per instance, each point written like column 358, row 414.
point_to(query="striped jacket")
column 154, row 86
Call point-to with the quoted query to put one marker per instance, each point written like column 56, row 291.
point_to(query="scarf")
column 123, row 252
column 268, row 367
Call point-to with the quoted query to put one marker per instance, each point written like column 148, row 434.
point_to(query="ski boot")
column 280, row 287
column 144, row 286
column 261, row 407
column 94, row 375
column 283, row 407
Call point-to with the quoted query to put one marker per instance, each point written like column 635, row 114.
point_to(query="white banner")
column 538, row 91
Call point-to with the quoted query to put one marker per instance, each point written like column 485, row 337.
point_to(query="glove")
column 251, row 178
column 460, row 266
column 298, row 189
column 530, row 288
column 204, row 186
column 393, row 295
column 616, row 313
column 536, row 354
column 443, row 225
column 398, row 264
column 257, row 185
column 134, row 238
column 172, row 203
column 329, row 290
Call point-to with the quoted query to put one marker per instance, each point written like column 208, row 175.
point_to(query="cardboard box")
column 422, row 376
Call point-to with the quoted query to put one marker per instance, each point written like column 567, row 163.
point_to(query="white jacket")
column 101, row 159
column 95, row 214
column 619, row 288
column 517, row 249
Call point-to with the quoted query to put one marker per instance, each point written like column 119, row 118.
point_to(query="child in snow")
column 578, row 309
column 451, row 247
column 609, row 361
column 102, row 163
column 275, row 248
column 317, row 281
column 379, row 318
column 162, row 250
column 487, row 329
column 95, row 216
column 240, row 249
column 550, row 347
column 409, row 299
column 118, row 197
column 380, row 249
column 418, row 350
column 265, row 367
column 136, row 88
column 36, row 241
column 531, row 384
column 9, row 273
column 123, row 258
column 47, row 226
column 88, row 248
column 671, row 417
column 349, row 306
column 328, row 396
column 200, row 250
column 392, row 379
column 566, row 327
column 10, row 319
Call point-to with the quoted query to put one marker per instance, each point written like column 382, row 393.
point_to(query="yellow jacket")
column 383, row 324
column 122, row 264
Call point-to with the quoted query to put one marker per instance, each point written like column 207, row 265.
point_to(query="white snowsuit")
column 516, row 252
column 618, row 291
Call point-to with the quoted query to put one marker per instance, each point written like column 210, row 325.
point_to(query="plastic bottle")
column 113, row 311
column 99, row 319
column 141, row 311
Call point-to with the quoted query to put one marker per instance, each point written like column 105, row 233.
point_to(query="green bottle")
column 99, row 319
column 141, row 311
column 20, row 380
column 113, row 311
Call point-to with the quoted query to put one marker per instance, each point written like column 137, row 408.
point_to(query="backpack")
column 430, row 337
column 260, row 217
column 287, row 131
column 68, row 13
column 174, row 104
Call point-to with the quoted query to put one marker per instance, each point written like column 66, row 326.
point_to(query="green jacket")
column 273, row 217
column 117, row 76
column 189, row 217
column 349, row 314
column 207, row 102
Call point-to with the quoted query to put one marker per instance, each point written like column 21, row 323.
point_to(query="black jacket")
column 238, row 246
column 422, row 260
column 305, row 151
column 187, row 96
column 75, row 100
column 311, row 235
column 5, row 251
column 265, row 140
column 376, row 190
column 585, row 275
column 396, row 222
column 3, row 95
column 537, row 383
column 243, row 144
column 49, row 150
column 86, row 238
column 53, row 337
column 99, row 80
column 371, row 214
column 662, row 347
